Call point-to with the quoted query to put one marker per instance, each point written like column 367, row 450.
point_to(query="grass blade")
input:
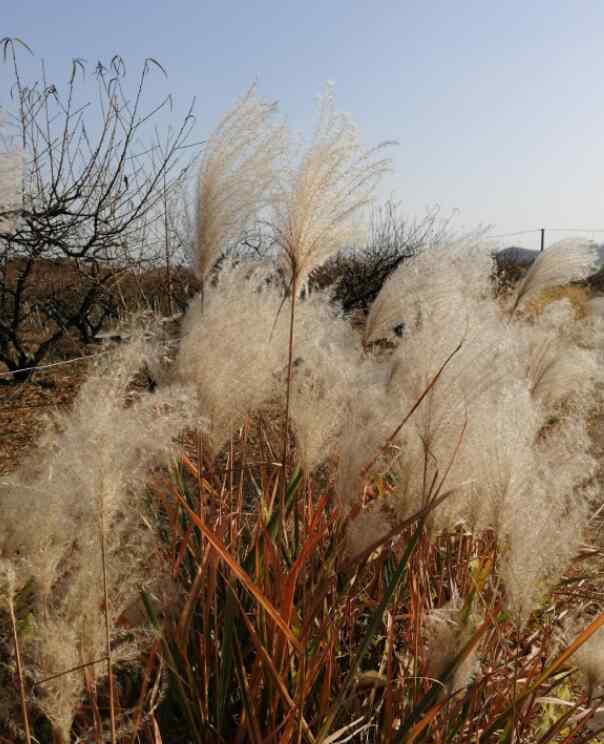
column 243, row 577
column 551, row 669
column 374, row 624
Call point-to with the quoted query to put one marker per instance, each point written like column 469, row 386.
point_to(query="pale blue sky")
column 498, row 107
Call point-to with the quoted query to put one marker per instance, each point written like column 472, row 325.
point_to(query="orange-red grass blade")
column 243, row 577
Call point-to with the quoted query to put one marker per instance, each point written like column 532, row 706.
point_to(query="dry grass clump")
column 84, row 488
column 385, row 590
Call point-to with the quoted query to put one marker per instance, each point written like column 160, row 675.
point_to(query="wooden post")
column 542, row 238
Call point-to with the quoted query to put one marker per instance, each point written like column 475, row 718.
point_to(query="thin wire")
column 575, row 229
column 54, row 364
column 172, row 318
column 511, row 235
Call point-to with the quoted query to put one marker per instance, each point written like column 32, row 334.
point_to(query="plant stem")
column 107, row 628
column 13, row 622
column 294, row 288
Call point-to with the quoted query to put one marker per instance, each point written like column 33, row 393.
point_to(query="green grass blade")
column 227, row 656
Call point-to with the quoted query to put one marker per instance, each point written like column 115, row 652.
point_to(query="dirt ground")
column 24, row 407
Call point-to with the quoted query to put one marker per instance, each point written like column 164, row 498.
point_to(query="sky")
column 497, row 107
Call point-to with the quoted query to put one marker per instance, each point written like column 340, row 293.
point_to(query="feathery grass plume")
column 436, row 455
column 8, row 710
column 368, row 527
column 563, row 262
column 328, row 352
column 372, row 420
column 411, row 476
column 447, row 632
column 315, row 207
column 589, row 657
column 236, row 177
column 233, row 351
column 561, row 372
column 561, row 355
column 589, row 660
column 437, row 442
column 430, row 439
column 438, row 282
column 54, row 646
column 497, row 456
column 93, row 463
column 543, row 520
column 317, row 199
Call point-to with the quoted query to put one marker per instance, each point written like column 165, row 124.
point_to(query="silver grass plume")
column 90, row 470
column 235, row 178
column 328, row 352
column 447, row 632
column 235, row 348
column 561, row 263
column 317, row 199
column 440, row 282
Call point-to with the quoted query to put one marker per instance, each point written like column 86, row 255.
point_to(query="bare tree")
column 91, row 197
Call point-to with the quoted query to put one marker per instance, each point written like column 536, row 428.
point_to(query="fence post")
column 542, row 238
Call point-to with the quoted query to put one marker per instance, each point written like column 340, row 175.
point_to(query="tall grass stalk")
column 20, row 676
column 315, row 208
column 288, row 385
column 108, row 629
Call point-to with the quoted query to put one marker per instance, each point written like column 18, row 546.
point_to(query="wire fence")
column 541, row 237
column 53, row 364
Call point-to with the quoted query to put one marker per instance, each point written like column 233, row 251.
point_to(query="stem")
column 13, row 622
column 412, row 410
column 77, row 668
column 107, row 630
column 294, row 287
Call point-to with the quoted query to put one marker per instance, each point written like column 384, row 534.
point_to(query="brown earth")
column 23, row 409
